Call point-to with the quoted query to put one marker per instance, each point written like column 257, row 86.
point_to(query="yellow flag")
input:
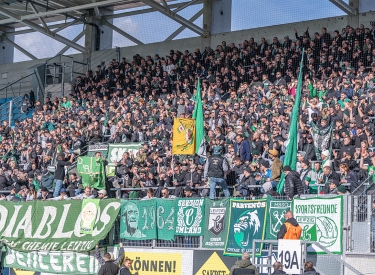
column 183, row 142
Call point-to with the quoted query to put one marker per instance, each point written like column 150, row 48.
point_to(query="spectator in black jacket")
column 109, row 267
column 293, row 184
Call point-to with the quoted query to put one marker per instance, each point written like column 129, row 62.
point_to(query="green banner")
column 115, row 152
column 54, row 262
column 247, row 222
column 88, row 215
column 91, row 171
column 102, row 148
column 53, row 225
column 321, row 221
column 138, row 220
column 216, row 219
column 165, row 218
column 276, row 216
column 190, row 217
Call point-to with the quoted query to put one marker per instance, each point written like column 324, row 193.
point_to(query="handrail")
column 337, row 258
column 14, row 82
column 57, row 56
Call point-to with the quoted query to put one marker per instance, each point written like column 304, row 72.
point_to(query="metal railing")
column 271, row 247
column 17, row 87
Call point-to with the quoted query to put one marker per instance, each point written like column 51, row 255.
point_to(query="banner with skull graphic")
column 247, row 222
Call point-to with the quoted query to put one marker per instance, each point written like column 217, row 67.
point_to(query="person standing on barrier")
column 216, row 169
column 244, row 266
column 290, row 230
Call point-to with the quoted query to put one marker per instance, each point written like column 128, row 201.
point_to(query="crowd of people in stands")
column 248, row 93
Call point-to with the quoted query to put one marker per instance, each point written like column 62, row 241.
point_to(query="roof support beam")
column 78, row 37
column 184, row 5
column 96, row 9
column 344, row 7
column 64, row 26
column 40, row 18
column 44, row 31
column 128, row 36
column 166, row 11
column 58, row 11
column 22, row 50
column 180, row 29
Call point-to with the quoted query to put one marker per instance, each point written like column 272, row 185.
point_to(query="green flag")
column 290, row 157
column 276, row 216
column 199, row 124
column 189, row 218
column 91, row 171
column 88, row 215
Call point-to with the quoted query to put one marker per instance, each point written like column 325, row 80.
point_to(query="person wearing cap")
column 63, row 196
column 293, row 185
column 341, row 190
column 326, row 159
column 188, row 193
column 102, row 194
column 242, row 188
column 333, row 184
column 300, row 157
column 44, row 194
column 216, row 169
column 276, row 167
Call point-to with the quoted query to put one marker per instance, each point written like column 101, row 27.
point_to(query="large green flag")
column 91, row 171
column 54, row 225
column 216, row 220
column 138, row 220
column 200, row 149
column 290, row 157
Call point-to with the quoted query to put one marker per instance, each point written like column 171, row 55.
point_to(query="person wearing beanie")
column 276, row 167
column 293, row 184
column 216, row 169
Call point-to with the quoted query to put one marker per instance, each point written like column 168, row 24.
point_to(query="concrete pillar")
column 106, row 33
column 207, row 23
column 6, row 50
column 221, row 16
column 353, row 21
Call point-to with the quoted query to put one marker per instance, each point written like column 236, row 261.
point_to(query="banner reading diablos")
column 190, row 217
column 321, row 221
column 247, row 222
column 53, row 225
column 216, row 219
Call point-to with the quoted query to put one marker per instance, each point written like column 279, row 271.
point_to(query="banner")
column 190, row 217
column 276, row 216
column 115, row 152
column 183, row 136
column 160, row 261
column 138, row 219
column 53, row 261
column 322, row 139
column 88, row 215
column 207, row 262
column 216, row 219
column 321, row 221
column 247, row 222
column 165, row 219
column 53, row 225
column 91, row 171
column 102, row 148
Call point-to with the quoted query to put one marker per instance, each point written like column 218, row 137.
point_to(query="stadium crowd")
column 248, row 93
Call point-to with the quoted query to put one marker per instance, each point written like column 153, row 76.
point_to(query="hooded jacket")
column 244, row 264
column 293, row 185
column 284, row 228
